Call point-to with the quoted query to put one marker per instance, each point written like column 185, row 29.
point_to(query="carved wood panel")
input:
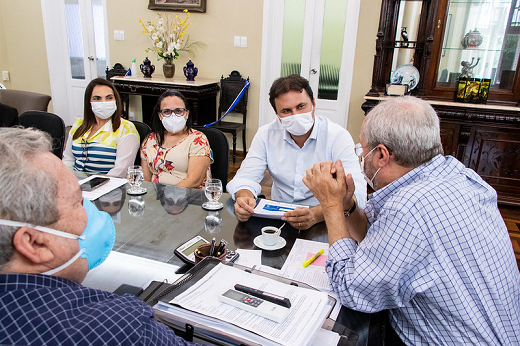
column 494, row 153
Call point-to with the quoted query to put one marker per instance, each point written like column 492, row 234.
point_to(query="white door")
column 77, row 51
column 316, row 39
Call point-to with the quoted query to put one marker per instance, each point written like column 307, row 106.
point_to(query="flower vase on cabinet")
column 190, row 71
column 168, row 69
column 147, row 68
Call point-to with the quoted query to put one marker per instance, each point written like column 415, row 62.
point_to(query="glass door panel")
column 331, row 48
column 292, row 42
column 75, row 39
column 480, row 41
column 98, row 18
column 406, row 33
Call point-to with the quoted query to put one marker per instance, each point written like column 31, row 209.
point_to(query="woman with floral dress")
column 174, row 153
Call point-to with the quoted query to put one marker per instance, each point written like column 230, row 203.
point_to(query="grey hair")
column 27, row 193
column 406, row 125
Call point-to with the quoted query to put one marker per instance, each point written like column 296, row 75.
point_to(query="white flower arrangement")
column 167, row 35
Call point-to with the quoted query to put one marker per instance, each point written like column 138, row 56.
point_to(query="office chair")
column 50, row 123
column 8, row 116
column 230, row 87
column 143, row 130
column 220, row 148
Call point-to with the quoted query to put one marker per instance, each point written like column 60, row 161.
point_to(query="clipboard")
column 159, row 293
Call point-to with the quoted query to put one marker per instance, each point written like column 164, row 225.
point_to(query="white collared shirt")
column 274, row 149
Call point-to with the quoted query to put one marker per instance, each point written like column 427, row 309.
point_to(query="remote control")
column 255, row 305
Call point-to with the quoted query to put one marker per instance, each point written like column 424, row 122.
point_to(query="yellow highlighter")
column 310, row 260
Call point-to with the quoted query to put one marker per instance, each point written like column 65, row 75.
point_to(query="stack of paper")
column 199, row 305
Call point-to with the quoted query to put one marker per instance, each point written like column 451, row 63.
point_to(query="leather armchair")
column 24, row 101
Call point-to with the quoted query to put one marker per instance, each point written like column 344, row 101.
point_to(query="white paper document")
column 314, row 274
column 308, row 310
column 114, row 183
column 274, row 210
column 249, row 258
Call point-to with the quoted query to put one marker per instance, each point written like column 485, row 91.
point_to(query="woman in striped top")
column 101, row 142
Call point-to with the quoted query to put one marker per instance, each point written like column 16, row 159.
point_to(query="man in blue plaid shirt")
column 46, row 249
column 430, row 247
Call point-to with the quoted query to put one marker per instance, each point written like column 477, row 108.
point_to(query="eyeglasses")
column 180, row 112
column 84, row 145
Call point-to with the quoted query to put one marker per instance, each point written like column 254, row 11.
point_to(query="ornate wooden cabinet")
column 439, row 38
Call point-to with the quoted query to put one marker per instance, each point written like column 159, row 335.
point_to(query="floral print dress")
column 170, row 165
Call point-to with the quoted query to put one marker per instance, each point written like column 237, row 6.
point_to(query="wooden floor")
column 510, row 214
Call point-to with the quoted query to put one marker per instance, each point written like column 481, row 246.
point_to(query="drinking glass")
column 136, row 206
column 213, row 222
column 213, row 191
column 135, row 177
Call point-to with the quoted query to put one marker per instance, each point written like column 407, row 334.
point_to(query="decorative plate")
column 405, row 74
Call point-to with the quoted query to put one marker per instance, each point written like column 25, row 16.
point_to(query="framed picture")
column 178, row 5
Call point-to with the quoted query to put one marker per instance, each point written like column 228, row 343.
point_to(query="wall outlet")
column 243, row 41
column 5, row 76
column 119, row 35
column 236, row 41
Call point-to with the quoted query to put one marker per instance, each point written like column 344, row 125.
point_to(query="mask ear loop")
column 66, row 264
column 41, row 228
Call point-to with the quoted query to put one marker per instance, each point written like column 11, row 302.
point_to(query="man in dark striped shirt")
column 46, row 249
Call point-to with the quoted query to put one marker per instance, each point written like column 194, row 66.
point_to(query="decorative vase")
column 190, row 71
column 168, row 70
column 147, row 68
column 472, row 39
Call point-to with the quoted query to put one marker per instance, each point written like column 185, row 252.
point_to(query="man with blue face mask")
column 50, row 237
column 288, row 146
column 430, row 247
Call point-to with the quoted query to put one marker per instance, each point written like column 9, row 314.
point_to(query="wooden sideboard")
column 201, row 95
column 485, row 138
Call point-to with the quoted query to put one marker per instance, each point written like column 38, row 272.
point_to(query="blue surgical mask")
column 95, row 243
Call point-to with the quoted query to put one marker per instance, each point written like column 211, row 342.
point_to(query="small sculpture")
column 467, row 68
column 404, row 35
column 190, row 71
column 147, row 68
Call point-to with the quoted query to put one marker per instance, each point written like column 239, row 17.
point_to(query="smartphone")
column 94, row 183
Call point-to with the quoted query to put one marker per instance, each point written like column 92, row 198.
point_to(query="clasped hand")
column 329, row 184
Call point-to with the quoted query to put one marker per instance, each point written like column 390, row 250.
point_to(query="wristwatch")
column 351, row 210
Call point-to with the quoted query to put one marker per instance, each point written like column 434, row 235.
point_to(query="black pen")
column 221, row 247
column 273, row 298
column 212, row 248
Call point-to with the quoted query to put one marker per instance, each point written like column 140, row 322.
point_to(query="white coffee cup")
column 270, row 235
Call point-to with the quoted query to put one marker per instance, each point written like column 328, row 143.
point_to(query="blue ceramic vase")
column 190, row 71
column 147, row 68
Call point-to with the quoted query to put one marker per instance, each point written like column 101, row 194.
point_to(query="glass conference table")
column 153, row 225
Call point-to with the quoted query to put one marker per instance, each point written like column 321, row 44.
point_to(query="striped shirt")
column 438, row 256
column 98, row 153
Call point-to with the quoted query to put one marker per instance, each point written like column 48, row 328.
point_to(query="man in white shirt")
column 287, row 147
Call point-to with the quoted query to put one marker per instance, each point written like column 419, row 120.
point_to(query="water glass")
column 213, row 191
column 136, row 206
column 135, row 177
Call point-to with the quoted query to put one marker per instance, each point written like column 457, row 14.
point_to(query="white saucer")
column 260, row 243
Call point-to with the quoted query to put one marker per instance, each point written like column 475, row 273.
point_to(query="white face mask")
column 104, row 110
column 173, row 123
column 298, row 124
column 370, row 182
